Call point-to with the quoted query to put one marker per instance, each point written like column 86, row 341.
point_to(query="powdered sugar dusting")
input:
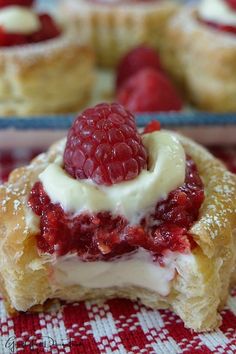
column 222, row 197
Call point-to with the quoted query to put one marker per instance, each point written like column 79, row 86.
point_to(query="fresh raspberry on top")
column 149, row 91
column 232, row 4
column 135, row 60
column 104, row 145
column 4, row 3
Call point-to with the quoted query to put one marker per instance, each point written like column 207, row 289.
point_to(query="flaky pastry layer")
column 53, row 76
column 197, row 292
column 202, row 60
column 114, row 29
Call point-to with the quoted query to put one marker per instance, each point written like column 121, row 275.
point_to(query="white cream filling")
column 217, row 11
column 137, row 269
column 17, row 19
column 132, row 199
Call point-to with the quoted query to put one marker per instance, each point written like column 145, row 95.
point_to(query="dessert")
column 114, row 27
column 108, row 212
column 200, row 53
column 44, row 67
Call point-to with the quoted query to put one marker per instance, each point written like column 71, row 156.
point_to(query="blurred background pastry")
column 200, row 53
column 114, row 27
column 44, row 66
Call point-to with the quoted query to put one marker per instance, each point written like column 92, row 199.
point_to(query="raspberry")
column 135, row 60
column 149, row 91
column 232, row 4
column 104, row 145
column 4, row 3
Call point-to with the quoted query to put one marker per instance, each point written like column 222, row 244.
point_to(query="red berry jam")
column 219, row 27
column 48, row 30
column 26, row 3
column 153, row 126
column 104, row 236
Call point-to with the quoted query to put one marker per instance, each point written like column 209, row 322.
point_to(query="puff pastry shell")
column 202, row 60
column 113, row 29
column 197, row 292
column 48, row 77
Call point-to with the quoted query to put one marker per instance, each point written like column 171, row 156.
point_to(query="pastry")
column 44, row 67
column 114, row 27
column 200, row 53
column 108, row 212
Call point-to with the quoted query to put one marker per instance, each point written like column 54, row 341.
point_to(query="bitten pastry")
column 200, row 53
column 44, row 67
column 114, row 27
column 108, row 213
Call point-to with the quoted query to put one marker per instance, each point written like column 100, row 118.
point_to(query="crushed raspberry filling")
column 104, row 236
column 149, row 91
column 219, row 27
column 48, row 30
column 26, row 3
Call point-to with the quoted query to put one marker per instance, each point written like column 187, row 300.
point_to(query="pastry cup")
column 53, row 76
column 202, row 60
column 114, row 29
column 197, row 292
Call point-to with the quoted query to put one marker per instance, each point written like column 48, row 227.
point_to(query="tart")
column 200, row 53
column 114, row 27
column 44, row 67
column 147, row 217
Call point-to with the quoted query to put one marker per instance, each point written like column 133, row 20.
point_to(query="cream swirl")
column 132, row 199
column 17, row 19
column 217, row 11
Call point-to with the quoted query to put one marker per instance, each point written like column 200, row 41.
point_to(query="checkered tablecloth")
column 117, row 326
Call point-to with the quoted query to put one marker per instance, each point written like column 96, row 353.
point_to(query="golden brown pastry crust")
column 114, row 29
column 197, row 291
column 202, row 60
column 53, row 76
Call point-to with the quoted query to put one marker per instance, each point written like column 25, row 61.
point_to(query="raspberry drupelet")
column 103, row 235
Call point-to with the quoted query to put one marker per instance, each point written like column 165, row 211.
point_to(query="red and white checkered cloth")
column 118, row 326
